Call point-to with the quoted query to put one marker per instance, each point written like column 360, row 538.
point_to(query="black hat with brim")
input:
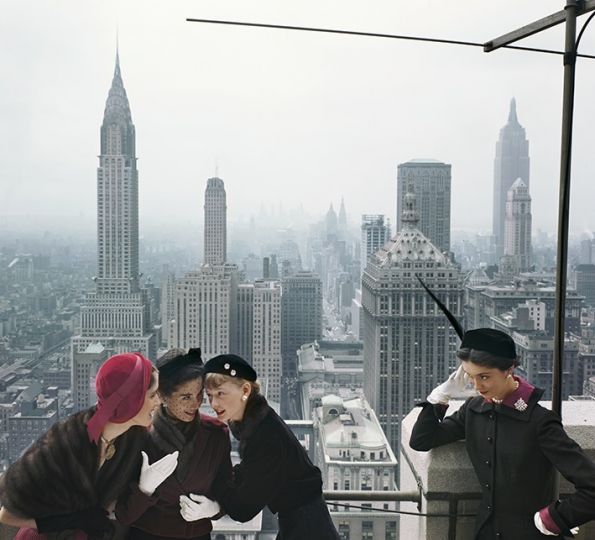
column 231, row 365
column 175, row 359
column 491, row 341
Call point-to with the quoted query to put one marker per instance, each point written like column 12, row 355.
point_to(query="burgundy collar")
column 522, row 393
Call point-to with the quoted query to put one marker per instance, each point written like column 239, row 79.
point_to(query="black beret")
column 175, row 359
column 232, row 365
column 491, row 341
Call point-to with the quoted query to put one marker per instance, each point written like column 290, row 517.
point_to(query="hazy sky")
column 297, row 117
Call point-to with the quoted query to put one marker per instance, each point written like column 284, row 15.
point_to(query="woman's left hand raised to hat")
column 151, row 476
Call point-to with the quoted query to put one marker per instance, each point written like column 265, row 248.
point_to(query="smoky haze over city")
column 286, row 196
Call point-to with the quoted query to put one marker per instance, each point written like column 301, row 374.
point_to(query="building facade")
column 117, row 314
column 215, row 232
column 266, row 341
column 409, row 345
column 517, row 226
column 511, row 162
column 375, row 233
column 205, row 312
column 430, row 181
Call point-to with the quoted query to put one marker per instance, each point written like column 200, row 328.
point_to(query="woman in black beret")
column 275, row 470
column 515, row 445
column 203, row 460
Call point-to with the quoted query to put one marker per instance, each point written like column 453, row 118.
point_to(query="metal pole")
column 571, row 9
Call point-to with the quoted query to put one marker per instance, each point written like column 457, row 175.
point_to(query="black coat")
column 514, row 454
column 275, row 470
column 208, row 464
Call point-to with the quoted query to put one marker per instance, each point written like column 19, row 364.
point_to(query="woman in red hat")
column 203, row 445
column 69, row 479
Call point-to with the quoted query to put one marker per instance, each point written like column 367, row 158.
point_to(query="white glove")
column 458, row 385
column 541, row 527
column 151, row 476
column 198, row 507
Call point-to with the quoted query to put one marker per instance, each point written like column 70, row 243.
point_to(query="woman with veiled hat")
column 204, row 461
column 275, row 470
column 515, row 445
column 68, row 481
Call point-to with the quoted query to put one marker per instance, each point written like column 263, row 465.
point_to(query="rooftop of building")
column 350, row 431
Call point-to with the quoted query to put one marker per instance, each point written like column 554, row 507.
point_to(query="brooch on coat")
column 520, row 404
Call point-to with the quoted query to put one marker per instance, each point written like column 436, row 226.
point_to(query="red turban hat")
column 121, row 385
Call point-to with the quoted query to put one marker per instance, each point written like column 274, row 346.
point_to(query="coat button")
column 489, row 508
column 487, row 485
column 491, row 416
column 488, row 463
column 490, row 439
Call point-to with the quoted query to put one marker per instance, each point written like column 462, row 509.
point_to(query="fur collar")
column 257, row 409
column 58, row 473
column 170, row 435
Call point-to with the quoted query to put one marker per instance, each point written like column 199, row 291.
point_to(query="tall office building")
column 215, row 239
column 517, row 226
column 301, row 322
column 375, row 233
column 117, row 314
column 205, row 311
column 266, row 341
column 245, row 320
column 511, row 162
column 409, row 346
column 168, row 299
column 429, row 180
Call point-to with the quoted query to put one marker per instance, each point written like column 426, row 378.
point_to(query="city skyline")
column 231, row 113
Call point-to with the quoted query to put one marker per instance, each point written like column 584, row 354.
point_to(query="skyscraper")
column 409, row 345
column 266, row 342
column 205, row 311
column 215, row 239
column 117, row 314
column 511, row 162
column 429, row 180
column 517, row 226
column 301, row 320
column 375, row 233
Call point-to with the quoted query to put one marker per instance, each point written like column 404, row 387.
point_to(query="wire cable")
column 377, row 35
column 387, row 511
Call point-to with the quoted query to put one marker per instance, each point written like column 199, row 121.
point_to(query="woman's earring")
column 244, row 398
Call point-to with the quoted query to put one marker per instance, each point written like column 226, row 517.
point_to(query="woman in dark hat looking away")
column 68, row 480
column 515, row 445
column 275, row 470
column 203, row 446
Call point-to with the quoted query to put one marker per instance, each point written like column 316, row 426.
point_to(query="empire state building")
column 116, row 315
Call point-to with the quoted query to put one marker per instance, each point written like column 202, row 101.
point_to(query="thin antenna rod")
column 377, row 35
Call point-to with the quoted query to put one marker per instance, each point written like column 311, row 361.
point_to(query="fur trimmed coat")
column 275, row 470
column 58, row 473
column 204, row 462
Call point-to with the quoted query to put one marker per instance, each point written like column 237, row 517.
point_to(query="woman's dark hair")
column 170, row 379
column 485, row 359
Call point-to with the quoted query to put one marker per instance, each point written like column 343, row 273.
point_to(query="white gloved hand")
column 456, row 386
column 542, row 529
column 151, row 476
column 198, row 507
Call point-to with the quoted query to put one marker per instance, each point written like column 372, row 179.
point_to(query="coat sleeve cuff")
column 547, row 521
column 563, row 527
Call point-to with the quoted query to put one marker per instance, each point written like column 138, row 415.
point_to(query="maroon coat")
column 159, row 514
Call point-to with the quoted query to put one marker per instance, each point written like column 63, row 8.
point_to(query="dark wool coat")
column 209, row 464
column 275, row 470
column 514, row 454
column 58, row 473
